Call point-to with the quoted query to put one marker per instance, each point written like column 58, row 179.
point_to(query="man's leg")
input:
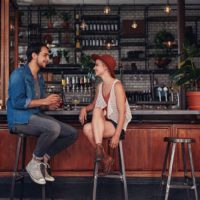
column 47, row 132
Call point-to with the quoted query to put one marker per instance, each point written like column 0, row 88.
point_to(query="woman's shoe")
column 107, row 164
column 99, row 152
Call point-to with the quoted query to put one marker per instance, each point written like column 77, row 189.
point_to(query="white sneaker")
column 47, row 175
column 34, row 170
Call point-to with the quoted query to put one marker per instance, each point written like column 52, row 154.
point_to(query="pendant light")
column 109, row 43
column 134, row 23
column 107, row 9
column 167, row 8
column 83, row 24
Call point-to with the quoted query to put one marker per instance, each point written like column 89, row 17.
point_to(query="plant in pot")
column 49, row 13
column 66, row 55
column 163, row 41
column 188, row 74
column 56, row 56
column 87, row 65
column 65, row 16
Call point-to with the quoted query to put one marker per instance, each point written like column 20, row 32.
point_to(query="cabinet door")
column 189, row 131
column 77, row 157
column 7, row 150
column 144, row 148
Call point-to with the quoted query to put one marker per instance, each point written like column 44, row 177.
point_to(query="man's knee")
column 54, row 129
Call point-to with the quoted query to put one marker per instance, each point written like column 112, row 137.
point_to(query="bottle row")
column 94, row 26
column 96, row 42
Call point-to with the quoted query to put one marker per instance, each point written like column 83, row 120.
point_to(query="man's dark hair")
column 34, row 48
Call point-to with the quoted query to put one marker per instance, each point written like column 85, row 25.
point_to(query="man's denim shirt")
column 20, row 93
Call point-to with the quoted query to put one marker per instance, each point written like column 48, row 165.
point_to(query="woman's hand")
column 83, row 115
column 114, row 141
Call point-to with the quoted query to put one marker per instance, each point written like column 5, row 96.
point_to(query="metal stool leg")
column 96, row 169
column 170, row 171
column 165, row 162
column 43, row 192
column 192, row 172
column 23, row 165
column 15, row 167
column 123, row 170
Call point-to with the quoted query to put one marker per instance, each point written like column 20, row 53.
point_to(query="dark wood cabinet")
column 144, row 151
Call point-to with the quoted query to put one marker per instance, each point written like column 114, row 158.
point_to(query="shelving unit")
column 101, row 27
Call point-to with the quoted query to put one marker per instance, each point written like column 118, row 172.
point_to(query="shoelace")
column 38, row 172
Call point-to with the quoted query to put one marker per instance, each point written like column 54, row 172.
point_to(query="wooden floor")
column 81, row 189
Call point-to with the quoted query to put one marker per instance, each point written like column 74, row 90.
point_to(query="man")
column 24, row 112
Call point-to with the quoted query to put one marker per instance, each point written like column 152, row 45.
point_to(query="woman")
column 111, row 112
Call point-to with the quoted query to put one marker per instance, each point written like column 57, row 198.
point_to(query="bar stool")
column 121, row 175
column 183, row 141
column 19, row 174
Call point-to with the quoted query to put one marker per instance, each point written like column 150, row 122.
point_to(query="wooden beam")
column 181, row 35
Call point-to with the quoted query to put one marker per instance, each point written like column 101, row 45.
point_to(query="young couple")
column 27, row 101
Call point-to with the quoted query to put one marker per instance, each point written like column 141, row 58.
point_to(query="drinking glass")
column 75, row 101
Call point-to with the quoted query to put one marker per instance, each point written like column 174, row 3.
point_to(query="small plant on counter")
column 56, row 56
column 66, row 55
column 87, row 64
column 187, row 72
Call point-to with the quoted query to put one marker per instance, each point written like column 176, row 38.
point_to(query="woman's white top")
column 112, row 110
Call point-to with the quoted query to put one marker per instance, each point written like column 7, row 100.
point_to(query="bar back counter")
column 144, row 148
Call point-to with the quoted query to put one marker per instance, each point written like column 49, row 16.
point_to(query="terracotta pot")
column 162, row 62
column 50, row 24
column 56, row 60
column 65, row 24
column 193, row 100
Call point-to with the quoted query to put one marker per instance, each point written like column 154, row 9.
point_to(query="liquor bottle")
column 78, row 45
column 77, row 30
column 63, row 84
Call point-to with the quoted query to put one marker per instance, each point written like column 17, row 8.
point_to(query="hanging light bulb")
column 107, row 9
column 83, row 24
column 167, row 8
column 134, row 24
column 109, row 43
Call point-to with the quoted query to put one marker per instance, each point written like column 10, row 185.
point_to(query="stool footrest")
column 182, row 186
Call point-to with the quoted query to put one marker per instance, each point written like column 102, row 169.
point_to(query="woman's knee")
column 87, row 130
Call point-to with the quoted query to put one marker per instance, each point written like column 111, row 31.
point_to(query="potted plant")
column 163, row 41
column 87, row 64
column 56, row 56
column 65, row 16
column 49, row 13
column 66, row 55
column 188, row 75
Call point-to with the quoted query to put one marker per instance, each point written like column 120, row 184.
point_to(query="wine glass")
column 75, row 101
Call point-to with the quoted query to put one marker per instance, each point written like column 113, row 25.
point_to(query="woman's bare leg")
column 87, row 130
column 98, row 121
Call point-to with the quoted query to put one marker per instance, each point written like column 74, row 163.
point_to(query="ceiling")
column 115, row 2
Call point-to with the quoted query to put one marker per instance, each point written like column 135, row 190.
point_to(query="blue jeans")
column 53, row 135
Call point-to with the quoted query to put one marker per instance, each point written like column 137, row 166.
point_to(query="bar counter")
column 144, row 148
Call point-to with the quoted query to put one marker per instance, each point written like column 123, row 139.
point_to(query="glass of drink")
column 75, row 101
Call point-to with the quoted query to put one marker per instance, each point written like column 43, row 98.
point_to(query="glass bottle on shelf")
column 78, row 44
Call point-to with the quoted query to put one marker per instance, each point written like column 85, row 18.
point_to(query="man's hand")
column 54, row 106
column 52, row 99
